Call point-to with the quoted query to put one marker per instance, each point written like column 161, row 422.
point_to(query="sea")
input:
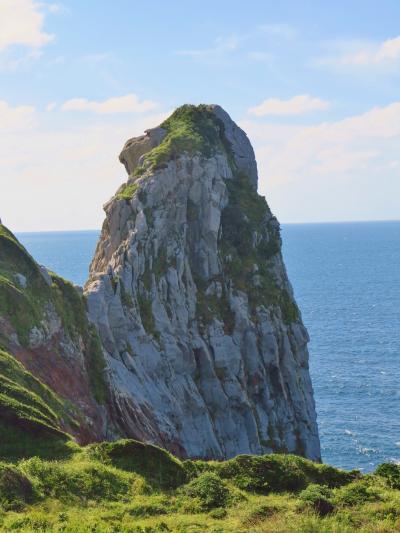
column 346, row 279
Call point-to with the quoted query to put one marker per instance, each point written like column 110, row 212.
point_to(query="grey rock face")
column 138, row 146
column 206, row 351
column 242, row 150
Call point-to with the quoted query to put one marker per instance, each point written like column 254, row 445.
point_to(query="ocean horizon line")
column 314, row 223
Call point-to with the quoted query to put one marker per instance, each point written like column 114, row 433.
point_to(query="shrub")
column 78, row 480
column 356, row 493
column 280, row 472
column 15, row 488
column 192, row 129
column 150, row 506
column 25, row 440
column 391, row 473
column 318, row 497
column 157, row 466
column 209, row 489
column 265, row 473
column 128, row 191
column 259, row 513
column 330, row 476
column 218, row 513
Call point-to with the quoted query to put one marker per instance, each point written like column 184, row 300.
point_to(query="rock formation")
column 51, row 361
column 204, row 344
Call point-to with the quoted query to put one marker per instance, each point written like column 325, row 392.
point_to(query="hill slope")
column 51, row 362
column 127, row 486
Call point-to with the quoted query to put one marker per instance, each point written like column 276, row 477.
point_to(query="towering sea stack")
column 206, row 351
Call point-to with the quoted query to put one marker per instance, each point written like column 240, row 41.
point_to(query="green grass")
column 157, row 466
column 128, row 191
column 127, row 486
column 191, row 129
column 30, row 414
column 25, row 307
column 25, row 398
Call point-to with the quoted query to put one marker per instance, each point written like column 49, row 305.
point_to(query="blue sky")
column 315, row 87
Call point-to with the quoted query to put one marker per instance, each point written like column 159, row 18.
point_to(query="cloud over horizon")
column 129, row 103
column 298, row 105
column 15, row 118
column 62, row 172
column 360, row 152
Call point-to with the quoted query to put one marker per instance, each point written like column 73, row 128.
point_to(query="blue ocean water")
column 346, row 279
column 68, row 253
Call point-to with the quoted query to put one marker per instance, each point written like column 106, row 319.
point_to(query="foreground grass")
column 132, row 487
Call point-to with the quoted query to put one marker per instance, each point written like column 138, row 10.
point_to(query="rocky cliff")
column 205, row 348
column 52, row 378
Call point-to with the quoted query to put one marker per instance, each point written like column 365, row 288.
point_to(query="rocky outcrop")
column 60, row 385
column 205, row 348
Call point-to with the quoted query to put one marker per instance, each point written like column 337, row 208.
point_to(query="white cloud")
column 51, row 106
column 21, row 23
column 298, row 105
column 61, row 173
column 337, row 170
column 388, row 51
column 367, row 54
column 16, row 118
column 129, row 103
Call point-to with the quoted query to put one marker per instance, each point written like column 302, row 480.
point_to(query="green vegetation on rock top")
column 189, row 129
column 192, row 129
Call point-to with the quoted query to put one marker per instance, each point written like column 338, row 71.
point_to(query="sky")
column 314, row 84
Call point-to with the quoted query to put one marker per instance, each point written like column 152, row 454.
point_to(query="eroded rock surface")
column 205, row 347
column 44, row 326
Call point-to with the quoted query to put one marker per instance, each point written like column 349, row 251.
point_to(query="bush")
column 279, row 473
column 192, row 129
column 209, row 489
column 80, row 480
column 259, row 513
column 391, row 473
column 218, row 513
column 157, row 466
column 15, row 488
column 264, row 474
column 318, row 497
column 356, row 493
column 150, row 506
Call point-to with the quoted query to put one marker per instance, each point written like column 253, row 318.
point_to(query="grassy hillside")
column 25, row 303
column 30, row 414
column 128, row 486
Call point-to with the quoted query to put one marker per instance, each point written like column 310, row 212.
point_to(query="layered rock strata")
column 204, row 344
